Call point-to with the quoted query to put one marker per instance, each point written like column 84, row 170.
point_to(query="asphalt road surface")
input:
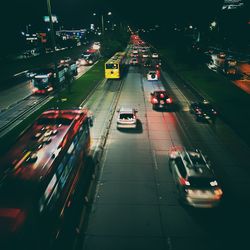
column 136, row 204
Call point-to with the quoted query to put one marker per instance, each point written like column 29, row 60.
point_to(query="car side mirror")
column 152, row 93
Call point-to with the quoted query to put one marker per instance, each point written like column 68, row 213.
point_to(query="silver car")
column 195, row 180
column 127, row 118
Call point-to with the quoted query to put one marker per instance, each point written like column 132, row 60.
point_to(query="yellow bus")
column 114, row 66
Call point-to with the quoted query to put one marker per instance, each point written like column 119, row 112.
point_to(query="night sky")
column 78, row 13
column 16, row 14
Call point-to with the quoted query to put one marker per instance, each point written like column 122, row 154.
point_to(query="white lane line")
column 17, row 74
column 181, row 97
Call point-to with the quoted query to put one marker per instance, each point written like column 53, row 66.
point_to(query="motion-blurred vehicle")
column 203, row 111
column 135, row 51
column 196, row 183
column 155, row 55
column 230, row 61
column 134, row 54
column 40, row 178
column 230, row 71
column 160, row 99
column 71, row 67
column 126, row 118
column 147, row 63
column 44, row 80
column 152, row 75
column 89, row 57
column 65, row 60
column 143, row 50
column 96, row 45
column 156, row 62
column 221, row 55
column 114, row 67
column 133, row 61
column 211, row 65
column 145, row 55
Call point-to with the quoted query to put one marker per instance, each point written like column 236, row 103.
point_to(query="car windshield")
column 206, row 106
column 111, row 66
column 197, row 159
column 126, row 116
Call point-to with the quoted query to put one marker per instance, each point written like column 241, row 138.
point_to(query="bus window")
column 112, row 66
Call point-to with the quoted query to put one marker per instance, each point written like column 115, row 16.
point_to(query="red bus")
column 39, row 176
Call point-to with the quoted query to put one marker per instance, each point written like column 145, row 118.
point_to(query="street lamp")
column 102, row 20
column 102, row 16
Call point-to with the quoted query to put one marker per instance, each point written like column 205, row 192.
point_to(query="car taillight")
column 218, row 192
column 154, row 100
column 197, row 111
column 169, row 100
column 184, row 182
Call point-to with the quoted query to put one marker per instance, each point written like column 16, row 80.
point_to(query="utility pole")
column 102, row 25
column 52, row 34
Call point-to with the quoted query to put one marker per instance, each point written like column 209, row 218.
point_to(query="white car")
column 152, row 75
column 143, row 50
column 145, row 55
column 194, row 178
column 134, row 61
column 126, row 118
column 155, row 55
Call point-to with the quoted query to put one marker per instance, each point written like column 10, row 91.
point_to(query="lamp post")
column 51, row 25
column 27, row 28
column 102, row 20
column 52, row 34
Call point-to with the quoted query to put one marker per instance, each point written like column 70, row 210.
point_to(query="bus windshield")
column 111, row 66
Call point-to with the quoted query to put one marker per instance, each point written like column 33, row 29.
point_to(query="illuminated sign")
column 54, row 19
column 232, row 4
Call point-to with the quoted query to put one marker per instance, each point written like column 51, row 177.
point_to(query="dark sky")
column 77, row 13
column 16, row 14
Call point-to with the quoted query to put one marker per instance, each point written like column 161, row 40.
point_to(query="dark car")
column 194, row 178
column 160, row 99
column 156, row 63
column 203, row 111
column 147, row 63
